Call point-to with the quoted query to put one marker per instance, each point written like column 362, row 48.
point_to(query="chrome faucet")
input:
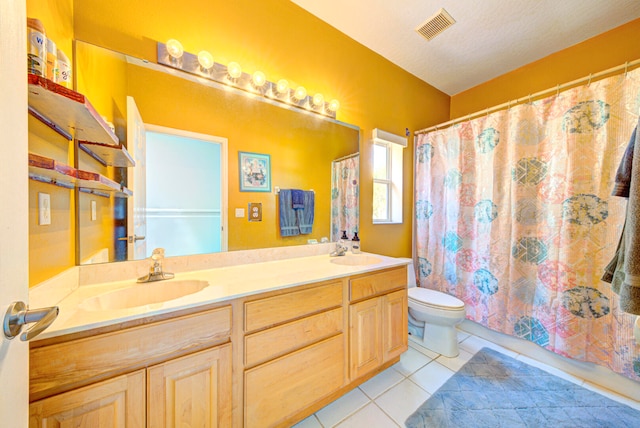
column 340, row 250
column 155, row 271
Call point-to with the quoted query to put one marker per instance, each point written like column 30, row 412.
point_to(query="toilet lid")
column 435, row 298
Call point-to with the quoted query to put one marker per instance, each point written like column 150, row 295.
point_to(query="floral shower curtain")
column 514, row 215
column 345, row 193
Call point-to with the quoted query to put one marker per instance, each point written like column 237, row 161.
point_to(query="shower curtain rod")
column 626, row 66
column 346, row 157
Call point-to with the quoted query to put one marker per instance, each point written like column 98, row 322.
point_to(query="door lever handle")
column 18, row 315
column 132, row 239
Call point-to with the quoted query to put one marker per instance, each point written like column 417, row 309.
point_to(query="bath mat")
column 494, row 390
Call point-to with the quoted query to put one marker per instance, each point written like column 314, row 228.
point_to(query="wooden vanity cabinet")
column 294, row 353
column 114, row 403
column 193, row 391
column 378, row 321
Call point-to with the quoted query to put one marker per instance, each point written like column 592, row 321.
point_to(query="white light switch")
column 44, row 209
column 239, row 212
column 94, row 214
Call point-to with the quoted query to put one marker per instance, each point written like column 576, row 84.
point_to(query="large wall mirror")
column 301, row 147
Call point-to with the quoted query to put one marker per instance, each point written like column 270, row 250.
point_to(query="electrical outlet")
column 255, row 211
column 44, row 209
column 94, row 214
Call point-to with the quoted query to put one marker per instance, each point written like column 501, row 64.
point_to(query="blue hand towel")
column 288, row 219
column 305, row 215
column 297, row 199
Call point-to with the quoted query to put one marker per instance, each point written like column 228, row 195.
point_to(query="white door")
column 14, row 224
column 137, row 182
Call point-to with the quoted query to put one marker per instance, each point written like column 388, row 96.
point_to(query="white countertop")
column 225, row 283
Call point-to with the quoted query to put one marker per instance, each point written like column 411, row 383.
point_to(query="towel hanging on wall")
column 288, row 216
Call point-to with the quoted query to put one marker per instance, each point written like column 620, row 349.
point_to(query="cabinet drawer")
column 290, row 306
column 370, row 285
column 268, row 344
column 279, row 389
column 63, row 366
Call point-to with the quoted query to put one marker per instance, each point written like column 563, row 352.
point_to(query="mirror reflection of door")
column 136, row 207
column 185, row 192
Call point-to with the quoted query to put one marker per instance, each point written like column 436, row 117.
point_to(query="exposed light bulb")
column 318, row 100
column 282, row 86
column 205, row 59
column 234, row 70
column 259, row 79
column 334, row 105
column 300, row 93
column 174, row 48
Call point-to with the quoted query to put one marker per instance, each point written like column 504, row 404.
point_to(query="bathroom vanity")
column 264, row 344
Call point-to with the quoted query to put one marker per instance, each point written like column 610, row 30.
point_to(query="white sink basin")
column 143, row 294
column 356, row 260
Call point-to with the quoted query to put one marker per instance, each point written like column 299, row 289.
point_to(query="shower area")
column 514, row 216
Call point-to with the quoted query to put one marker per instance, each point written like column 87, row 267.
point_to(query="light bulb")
column 205, row 59
column 234, row 70
column 334, row 105
column 318, row 100
column 174, row 48
column 300, row 93
column 282, row 86
column 259, row 79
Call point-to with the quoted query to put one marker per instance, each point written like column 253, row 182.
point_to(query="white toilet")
column 433, row 317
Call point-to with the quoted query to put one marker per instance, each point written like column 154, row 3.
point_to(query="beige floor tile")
column 310, row 422
column 369, row 416
column 381, row 382
column 432, row 376
column 343, row 407
column 402, row 400
column 411, row 361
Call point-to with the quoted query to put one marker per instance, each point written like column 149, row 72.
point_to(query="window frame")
column 394, row 145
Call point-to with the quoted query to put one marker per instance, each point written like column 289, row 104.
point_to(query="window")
column 387, row 177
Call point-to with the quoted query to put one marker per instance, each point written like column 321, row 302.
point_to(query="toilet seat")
column 434, row 299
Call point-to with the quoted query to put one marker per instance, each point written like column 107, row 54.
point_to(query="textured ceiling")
column 489, row 38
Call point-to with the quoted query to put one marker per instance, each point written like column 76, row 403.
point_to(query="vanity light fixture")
column 231, row 76
column 175, row 49
column 205, row 59
column 334, row 105
column 234, row 70
column 258, row 79
column 300, row 93
column 282, row 87
column 318, row 101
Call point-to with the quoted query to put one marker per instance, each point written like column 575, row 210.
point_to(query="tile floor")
column 388, row 399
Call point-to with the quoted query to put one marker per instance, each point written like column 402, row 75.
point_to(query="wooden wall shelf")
column 50, row 171
column 70, row 110
column 107, row 154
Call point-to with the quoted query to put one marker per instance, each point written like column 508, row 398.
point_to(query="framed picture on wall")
column 255, row 172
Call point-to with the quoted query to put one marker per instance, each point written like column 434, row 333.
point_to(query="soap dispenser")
column 344, row 240
column 355, row 244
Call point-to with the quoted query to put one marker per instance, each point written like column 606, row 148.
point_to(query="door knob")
column 131, row 239
column 18, row 315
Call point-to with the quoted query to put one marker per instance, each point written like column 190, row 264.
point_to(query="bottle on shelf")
column 36, row 47
column 344, row 240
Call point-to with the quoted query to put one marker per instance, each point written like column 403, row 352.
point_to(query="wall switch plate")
column 239, row 212
column 44, row 209
column 94, row 214
column 255, row 211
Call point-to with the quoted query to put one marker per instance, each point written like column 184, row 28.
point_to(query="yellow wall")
column 597, row 54
column 283, row 40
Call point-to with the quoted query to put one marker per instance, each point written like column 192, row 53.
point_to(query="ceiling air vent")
column 435, row 25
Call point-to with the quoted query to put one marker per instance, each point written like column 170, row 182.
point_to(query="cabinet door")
column 394, row 324
column 365, row 347
column 194, row 390
column 118, row 402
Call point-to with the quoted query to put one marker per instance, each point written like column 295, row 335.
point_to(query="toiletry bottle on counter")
column 64, row 70
column 355, row 244
column 344, row 240
column 36, row 48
